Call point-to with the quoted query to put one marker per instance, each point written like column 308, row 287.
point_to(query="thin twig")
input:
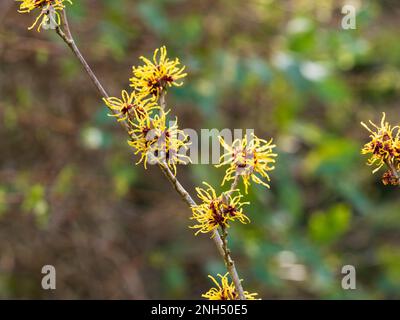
column 69, row 40
column 233, row 185
column 224, row 251
column 394, row 171
column 229, row 262
column 221, row 245
column 162, row 100
column 224, row 238
column 221, row 241
column 71, row 43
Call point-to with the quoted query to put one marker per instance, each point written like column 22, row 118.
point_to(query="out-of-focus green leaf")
column 36, row 203
column 3, row 200
column 63, row 183
column 389, row 257
column 154, row 16
column 326, row 227
column 175, row 279
column 332, row 156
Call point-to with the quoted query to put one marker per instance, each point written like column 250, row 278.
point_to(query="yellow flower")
column 247, row 159
column 384, row 146
column 130, row 105
column 155, row 76
column 216, row 211
column 45, row 6
column 159, row 143
column 225, row 290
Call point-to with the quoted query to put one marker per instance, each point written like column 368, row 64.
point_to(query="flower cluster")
column 152, row 136
column 216, row 211
column 384, row 149
column 156, row 76
column 159, row 141
column 46, row 8
column 248, row 159
column 155, row 141
column 225, row 290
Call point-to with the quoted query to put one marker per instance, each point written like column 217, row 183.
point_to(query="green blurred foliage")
column 285, row 68
column 36, row 203
column 327, row 227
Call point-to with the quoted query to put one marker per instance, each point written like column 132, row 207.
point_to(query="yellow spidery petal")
column 155, row 76
column 384, row 144
column 225, row 290
column 130, row 106
column 252, row 160
column 157, row 142
column 44, row 6
column 217, row 210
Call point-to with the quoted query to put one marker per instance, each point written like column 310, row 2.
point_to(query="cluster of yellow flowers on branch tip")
column 150, row 135
column 44, row 6
column 155, row 139
column 217, row 211
column 156, row 76
column 384, row 148
column 248, row 159
column 225, row 290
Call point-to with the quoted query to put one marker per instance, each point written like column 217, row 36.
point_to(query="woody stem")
column 65, row 34
column 227, row 253
column 234, row 184
column 220, row 241
column 162, row 99
column 67, row 37
column 230, row 264
column 393, row 170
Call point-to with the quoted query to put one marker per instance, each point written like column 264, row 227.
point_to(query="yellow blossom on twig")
column 130, row 105
column 155, row 76
column 248, row 159
column 384, row 145
column 45, row 6
column 216, row 211
column 225, row 290
column 157, row 142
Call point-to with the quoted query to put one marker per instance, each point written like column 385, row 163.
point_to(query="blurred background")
column 71, row 196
